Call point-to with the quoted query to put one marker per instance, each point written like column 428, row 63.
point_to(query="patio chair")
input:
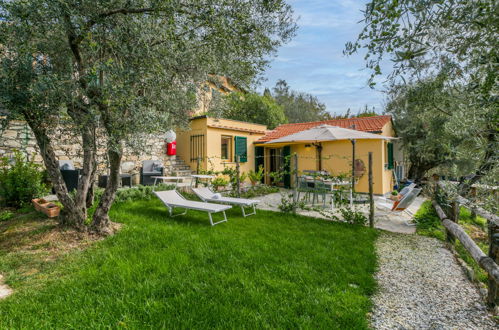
column 207, row 195
column 320, row 189
column 70, row 174
column 172, row 199
column 149, row 169
column 303, row 187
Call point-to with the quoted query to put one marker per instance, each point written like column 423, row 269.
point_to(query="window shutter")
column 390, row 155
column 241, row 148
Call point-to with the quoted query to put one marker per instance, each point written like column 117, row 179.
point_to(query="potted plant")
column 256, row 176
column 219, row 183
column 50, row 209
column 394, row 195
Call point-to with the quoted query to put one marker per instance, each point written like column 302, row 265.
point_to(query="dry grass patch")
column 30, row 243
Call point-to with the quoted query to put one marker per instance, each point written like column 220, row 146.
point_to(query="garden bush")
column 136, row 193
column 6, row 215
column 353, row 217
column 255, row 191
column 21, row 180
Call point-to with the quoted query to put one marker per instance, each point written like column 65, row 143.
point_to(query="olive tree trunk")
column 74, row 211
column 101, row 223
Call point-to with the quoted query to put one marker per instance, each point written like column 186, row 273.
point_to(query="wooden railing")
column 454, row 231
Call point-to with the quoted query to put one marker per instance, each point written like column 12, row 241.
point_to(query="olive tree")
column 117, row 70
column 252, row 107
column 457, row 38
column 428, row 140
column 299, row 107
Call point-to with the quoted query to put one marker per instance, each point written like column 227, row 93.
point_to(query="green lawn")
column 272, row 270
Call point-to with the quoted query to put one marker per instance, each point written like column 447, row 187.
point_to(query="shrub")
column 255, row 191
column 354, row 217
column 20, row 181
column 232, row 173
column 139, row 192
column 427, row 222
column 6, row 215
column 289, row 205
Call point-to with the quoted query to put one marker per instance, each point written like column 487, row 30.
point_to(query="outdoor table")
column 201, row 177
column 163, row 178
column 331, row 184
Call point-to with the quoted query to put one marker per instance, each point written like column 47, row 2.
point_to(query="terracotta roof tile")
column 365, row 124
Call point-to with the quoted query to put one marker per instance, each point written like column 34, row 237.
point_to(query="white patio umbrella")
column 324, row 133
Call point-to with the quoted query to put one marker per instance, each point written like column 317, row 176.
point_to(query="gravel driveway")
column 421, row 286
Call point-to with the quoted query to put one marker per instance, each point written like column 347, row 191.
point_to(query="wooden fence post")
column 493, row 293
column 238, row 173
column 295, row 166
column 371, row 195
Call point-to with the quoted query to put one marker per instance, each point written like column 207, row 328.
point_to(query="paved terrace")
column 384, row 218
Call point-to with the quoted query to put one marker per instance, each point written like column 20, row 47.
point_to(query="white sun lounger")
column 207, row 195
column 172, row 199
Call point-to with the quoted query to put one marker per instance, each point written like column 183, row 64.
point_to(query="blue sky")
column 313, row 62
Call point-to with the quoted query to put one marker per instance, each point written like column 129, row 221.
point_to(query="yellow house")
column 214, row 143
column 333, row 156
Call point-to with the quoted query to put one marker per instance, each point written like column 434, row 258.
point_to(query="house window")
column 226, row 147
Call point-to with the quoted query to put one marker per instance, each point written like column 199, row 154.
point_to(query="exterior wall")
column 340, row 162
column 197, row 127
column 388, row 130
column 213, row 129
column 18, row 136
column 205, row 93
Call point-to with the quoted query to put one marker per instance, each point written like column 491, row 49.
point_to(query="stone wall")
column 18, row 136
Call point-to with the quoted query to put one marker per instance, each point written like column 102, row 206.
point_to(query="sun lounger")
column 207, row 195
column 406, row 201
column 172, row 199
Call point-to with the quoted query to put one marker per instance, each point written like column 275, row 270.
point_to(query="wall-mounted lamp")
column 307, row 147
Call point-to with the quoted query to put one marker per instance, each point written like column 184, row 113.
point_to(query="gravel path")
column 421, row 286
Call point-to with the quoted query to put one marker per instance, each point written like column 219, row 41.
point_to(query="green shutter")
column 286, row 153
column 390, row 155
column 241, row 148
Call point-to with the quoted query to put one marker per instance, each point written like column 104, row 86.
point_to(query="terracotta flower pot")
column 50, row 209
